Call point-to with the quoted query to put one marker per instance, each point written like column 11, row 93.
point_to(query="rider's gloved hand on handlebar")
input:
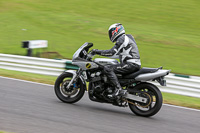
column 94, row 51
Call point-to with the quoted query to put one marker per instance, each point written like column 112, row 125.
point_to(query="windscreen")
column 82, row 51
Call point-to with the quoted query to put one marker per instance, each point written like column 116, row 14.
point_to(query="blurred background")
column 167, row 32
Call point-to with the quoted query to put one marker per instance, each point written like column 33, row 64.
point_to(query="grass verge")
column 181, row 100
column 28, row 76
column 168, row 98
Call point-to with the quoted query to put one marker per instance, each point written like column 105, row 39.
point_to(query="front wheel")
column 153, row 96
column 72, row 94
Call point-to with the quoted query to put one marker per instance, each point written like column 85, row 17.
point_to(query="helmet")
column 115, row 30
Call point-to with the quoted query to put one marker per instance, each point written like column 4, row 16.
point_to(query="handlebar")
column 89, row 56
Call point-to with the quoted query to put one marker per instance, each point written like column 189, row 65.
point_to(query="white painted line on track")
column 175, row 106
column 53, row 85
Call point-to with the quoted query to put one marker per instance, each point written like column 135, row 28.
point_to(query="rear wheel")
column 153, row 96
column 68, row 95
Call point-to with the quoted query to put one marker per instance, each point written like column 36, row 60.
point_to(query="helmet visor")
column 110, row 33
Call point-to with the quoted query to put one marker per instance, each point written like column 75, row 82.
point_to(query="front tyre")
column 72, row 94
column 154, row 99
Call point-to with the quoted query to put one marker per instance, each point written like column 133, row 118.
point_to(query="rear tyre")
column 72, row 94
column 154, row 100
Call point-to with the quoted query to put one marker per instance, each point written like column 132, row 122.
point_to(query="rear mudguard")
column 74, row 74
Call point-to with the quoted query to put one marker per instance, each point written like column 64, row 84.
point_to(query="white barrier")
column 32, row 64
column 181, row 86
column 177, row 85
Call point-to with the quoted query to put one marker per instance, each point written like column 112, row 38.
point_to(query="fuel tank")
column 105, row 61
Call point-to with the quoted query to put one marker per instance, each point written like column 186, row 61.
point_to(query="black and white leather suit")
column 126, row 50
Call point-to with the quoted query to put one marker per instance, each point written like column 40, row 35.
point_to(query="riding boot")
column 118, row 89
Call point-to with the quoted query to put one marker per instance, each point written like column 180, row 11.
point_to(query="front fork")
column 75, row 77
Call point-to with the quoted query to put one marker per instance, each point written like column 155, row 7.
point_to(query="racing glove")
column 95, row 51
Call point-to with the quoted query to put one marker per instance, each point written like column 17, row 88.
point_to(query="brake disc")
column 68, row 91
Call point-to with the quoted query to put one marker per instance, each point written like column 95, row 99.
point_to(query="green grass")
column 180, row 100
column 167, row 97
column 28, row 76
column 167, row 32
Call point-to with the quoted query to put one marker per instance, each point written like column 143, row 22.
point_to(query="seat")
column 141, row 71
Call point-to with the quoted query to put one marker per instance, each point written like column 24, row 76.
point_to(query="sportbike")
column 143, row 97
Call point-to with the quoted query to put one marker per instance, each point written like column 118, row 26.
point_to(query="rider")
column 126, row 50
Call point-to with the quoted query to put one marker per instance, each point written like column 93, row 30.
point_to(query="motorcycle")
column 143, row 98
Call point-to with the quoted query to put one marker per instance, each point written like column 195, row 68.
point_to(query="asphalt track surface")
column 27, row 107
